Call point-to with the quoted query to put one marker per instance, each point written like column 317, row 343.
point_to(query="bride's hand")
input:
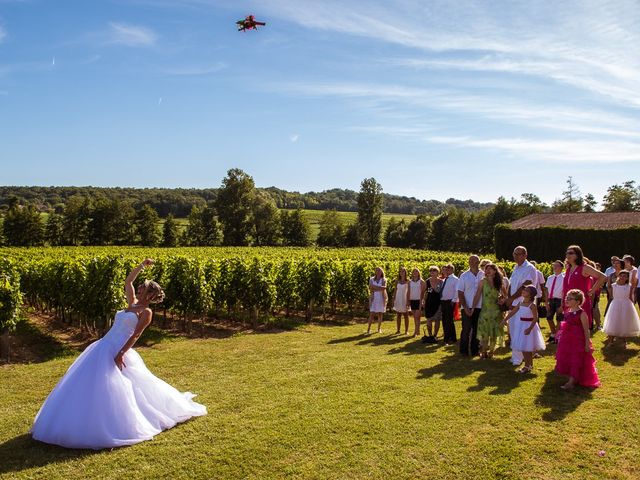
column 147, row 262
column 119, row 361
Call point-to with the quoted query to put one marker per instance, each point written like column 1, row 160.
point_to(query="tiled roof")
column 597, row 220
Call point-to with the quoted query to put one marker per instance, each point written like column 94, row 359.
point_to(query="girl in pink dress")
column 574, row 356
column 580, row 276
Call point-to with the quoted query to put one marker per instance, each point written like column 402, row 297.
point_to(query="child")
column 574, row 356
column 621, row 319
column 524, row 329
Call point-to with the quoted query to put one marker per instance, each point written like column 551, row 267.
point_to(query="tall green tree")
column 147, row 220
column 395, row 235
column 194, row 234
column 233, row 203
column 331, row 230
column 418, row 232
column 266, row 220
column 22, row 226
column 210, row 226
column 590, row 203
column 571, row 201
column 77, row 214
column 170, row 232
column 54, row 230
column 296, row 231
column 370, row 208
column 622, row 198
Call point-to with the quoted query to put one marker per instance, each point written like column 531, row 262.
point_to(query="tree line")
column 179, row 201
column 240, row 214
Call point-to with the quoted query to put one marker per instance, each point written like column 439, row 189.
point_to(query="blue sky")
column 435, row 99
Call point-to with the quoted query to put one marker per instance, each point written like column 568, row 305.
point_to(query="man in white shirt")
column 467, row 286
column 448, row 298
column 522, row 275
column 555, row 295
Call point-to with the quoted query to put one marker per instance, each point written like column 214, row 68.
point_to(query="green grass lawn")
column 327, row 402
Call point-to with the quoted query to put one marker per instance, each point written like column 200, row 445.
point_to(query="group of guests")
column 487, row 300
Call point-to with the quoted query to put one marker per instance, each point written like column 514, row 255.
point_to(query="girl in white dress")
column 526, row 336
column 622, row 319
column 378, row 298
column 400, row 305
column 108, row 398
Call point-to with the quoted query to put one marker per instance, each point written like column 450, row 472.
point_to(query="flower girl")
column 524, row 329
column 622, row 318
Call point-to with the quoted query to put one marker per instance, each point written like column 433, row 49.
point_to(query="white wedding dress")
column 95, row 405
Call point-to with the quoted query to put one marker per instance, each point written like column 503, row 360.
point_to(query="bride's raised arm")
column 128, row 283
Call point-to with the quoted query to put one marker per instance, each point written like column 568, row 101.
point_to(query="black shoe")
column 551, row 339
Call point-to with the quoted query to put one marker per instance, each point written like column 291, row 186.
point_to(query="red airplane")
column 249, row 23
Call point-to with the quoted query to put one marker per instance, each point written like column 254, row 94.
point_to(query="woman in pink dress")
column 574, row 356
column 580, row 276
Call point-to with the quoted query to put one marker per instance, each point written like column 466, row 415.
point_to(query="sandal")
column 525, row 370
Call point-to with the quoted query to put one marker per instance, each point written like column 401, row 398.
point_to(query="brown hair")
column 533, row 291
column 406, row 274
column 579, row 254
column 497, row 278
column 625, row 272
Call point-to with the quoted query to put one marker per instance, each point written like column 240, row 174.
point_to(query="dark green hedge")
column 546, row 244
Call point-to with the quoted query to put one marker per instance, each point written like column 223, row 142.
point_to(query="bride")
column 108, row 397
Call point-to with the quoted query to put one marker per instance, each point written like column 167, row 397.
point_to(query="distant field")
column 314, row 217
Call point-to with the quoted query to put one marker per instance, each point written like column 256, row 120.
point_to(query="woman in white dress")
column 377, row 299
column 108, row 398
column 621, row 320
column 400, row 304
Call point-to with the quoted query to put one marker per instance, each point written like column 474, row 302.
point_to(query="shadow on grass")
column 417, row 347
column 22, row 453
column 558, row 402
column 617, row 355
column 496, row 374
column 29, row 344
column 379, row 340
column 352, row 338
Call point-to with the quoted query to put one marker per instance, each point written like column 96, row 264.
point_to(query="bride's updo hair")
column 153, row 291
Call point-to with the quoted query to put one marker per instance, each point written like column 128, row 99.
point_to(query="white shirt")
column 539, row 283
column 557, row 288
column 450, row 289
column 520, row 274
column 468, row 284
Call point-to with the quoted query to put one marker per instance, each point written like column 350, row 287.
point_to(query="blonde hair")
column 419, row 273
column 577, row 295
column 434, row 268
column 153, row 291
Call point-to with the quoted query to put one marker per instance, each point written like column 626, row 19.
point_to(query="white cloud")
column 587, row 44
column 561, row 151
column 413, row 101
column 294, row 137
column 130, row 35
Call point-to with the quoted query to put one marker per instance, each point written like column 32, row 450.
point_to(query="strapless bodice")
column 124, row 324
